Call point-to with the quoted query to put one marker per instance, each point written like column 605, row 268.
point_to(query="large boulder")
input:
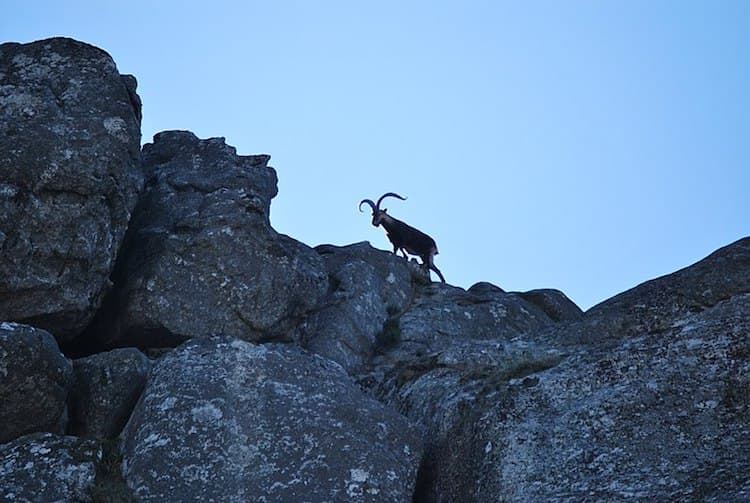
column 661, row 417
column 69, row 178
column 105, row 390
column 201, row 257
column 47, row 467
column 369, row 287
column 226, row 420
column 34, row 382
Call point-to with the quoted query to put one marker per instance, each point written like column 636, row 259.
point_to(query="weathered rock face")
column 34, row 382
column 201, row 257
column 663, row 417
column 105, row 389
column 646, row 414
column 47, row 467
column 368, row 288
column 69, row 178
column 225, row 420
column 441, row 314
column 450, row 351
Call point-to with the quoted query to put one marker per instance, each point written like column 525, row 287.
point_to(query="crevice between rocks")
column 109, row 485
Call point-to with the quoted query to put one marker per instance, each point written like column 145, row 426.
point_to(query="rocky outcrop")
column 554, row 303
column 34, row 382
column 226, row 420
column 448, row 354
column 643, row 411
column 69, row 177
column 47, row 467
column 441, row 314
column 201, row 257
column 369, row 288
column 105, row 389
column 389, row 387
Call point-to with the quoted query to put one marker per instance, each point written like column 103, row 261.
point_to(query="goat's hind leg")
column 428, row 263
column 431, row 265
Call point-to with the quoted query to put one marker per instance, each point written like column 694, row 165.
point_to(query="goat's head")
column 377, row 213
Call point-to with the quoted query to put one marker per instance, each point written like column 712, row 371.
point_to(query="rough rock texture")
column 225, row 420
column 105, row 390
column 46, row 467
column 441, row 314
column 34, row 382
column 369, row 287
column 201, row 257
column 644, row 411
column 661, row 417
column 450, row 350
column 69, row 178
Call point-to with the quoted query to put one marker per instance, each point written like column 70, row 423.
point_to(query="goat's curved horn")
column 389, row 194
column 363, row 201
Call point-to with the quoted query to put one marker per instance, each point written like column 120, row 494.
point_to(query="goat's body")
column 406, row 238
column 403, row 236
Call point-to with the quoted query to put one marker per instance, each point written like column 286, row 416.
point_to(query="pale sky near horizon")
column 586, row 146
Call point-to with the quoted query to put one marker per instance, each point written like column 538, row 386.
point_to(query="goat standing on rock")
column 403, row 236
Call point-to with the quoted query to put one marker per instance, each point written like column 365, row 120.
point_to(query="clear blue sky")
column 585, row 145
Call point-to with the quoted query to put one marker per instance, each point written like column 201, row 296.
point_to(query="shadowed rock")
column 34, row 382
column 106, row 388
column 201, row 257
column 69, row 178
column 441, row 314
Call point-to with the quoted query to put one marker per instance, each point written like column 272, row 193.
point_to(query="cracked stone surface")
column 227, row 420
column 69, row 178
